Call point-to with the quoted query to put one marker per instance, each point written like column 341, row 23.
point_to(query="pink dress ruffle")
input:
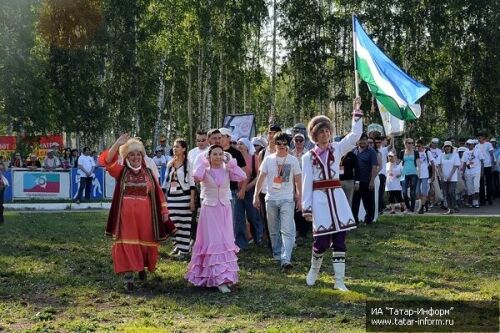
column 214, row 261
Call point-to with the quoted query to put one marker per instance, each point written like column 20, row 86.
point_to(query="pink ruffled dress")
column 214, row 261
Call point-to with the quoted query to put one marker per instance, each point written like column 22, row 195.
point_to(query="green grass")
column 56, row 276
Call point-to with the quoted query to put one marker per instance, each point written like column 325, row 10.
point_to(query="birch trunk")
column 160, row 102
column 190, row 107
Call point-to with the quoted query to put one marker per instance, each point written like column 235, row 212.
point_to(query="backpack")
column 415, row 155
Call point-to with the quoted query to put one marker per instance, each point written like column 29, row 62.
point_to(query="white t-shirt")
column 193, row 154
column 393, row 172
column 436, row 153
column 425, row 160
column 289, row 167
column 472, row 160
column 160, row 161
column 485, row 149
column 383, row 152
column 447, row 162
column 87, row 163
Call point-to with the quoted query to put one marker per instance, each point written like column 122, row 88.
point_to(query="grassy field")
column 56, row 276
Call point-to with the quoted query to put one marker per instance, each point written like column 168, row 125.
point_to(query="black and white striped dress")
column 178, row 195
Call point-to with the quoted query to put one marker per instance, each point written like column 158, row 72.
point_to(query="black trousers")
column 486, row 181
column 368, row 197
column 85, row 184
column 301, row 225
column 381, row 192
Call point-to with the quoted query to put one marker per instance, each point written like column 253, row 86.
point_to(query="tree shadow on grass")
column 71, row 259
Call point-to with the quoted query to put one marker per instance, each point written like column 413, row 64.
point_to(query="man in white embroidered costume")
column 323, row 201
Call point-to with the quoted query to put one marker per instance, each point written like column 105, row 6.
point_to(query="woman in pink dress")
column 214, row 262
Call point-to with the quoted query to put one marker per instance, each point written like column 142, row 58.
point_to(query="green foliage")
column 94, row 67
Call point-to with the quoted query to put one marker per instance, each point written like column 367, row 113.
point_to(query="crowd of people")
column 273, row 190
column 228, row 193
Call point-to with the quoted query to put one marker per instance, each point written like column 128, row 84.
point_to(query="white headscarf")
column 248, row 144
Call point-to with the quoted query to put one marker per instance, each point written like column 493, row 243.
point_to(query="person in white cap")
column 393, row 184
column 472, row 164
column 435, row 189
column 259, row 143
column 324, row 202
column 301, row 224
column 448, row 165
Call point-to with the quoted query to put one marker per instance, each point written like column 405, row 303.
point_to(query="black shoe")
column 142, row 275
column 129, row 286
column 286, row 267
column 420, row 211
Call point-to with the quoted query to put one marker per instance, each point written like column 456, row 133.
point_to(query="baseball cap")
column 447, row 143
column 275, row 128
column 391, row 153
column 470, row 142
column 461, row 149
column 435, row 140
column 225, row 131
column 259, row 142
column 493, row 140
column 299, row 134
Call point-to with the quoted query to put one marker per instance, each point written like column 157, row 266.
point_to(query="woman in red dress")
column 138, row 218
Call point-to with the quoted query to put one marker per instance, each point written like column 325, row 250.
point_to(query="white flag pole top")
column 356, row 80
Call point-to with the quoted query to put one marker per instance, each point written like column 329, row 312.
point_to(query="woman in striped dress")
column 180, row 193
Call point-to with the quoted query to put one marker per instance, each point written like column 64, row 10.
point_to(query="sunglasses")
column 378, row 142
column 409, row 143
column 419, row 146
column 281, row 143
column 202, row 140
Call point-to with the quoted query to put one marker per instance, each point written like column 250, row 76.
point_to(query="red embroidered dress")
column 135, row 218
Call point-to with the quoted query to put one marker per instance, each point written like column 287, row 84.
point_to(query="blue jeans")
column 281, row 228
column 410, row 182
column 244, row 209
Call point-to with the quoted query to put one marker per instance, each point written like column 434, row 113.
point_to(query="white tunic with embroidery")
column 329, row 207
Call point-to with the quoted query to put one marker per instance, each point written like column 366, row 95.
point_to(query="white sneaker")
column 223, row 288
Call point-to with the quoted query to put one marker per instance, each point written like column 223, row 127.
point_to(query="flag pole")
column 356, row 80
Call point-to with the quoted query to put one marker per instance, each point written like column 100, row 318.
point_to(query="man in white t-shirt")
column 86, row 167
column 282, row 174
column 472, row 164
column 201, row 146
column 381, row 146
column 51, row 162
column 487, row 151
column 448, row 165
column 436, row 186
column 160, row 159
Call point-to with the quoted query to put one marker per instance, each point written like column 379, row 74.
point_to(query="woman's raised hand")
column 123, row 139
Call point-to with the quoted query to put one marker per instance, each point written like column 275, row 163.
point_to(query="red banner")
column 51, row 141
column 7, row 142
